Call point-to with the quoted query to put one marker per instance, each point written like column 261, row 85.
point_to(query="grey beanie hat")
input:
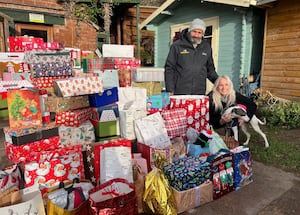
column 197, row 24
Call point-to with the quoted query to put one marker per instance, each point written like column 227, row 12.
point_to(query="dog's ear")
column 239, row 111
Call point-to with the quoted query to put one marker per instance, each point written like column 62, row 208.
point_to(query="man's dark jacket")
column 187, row 68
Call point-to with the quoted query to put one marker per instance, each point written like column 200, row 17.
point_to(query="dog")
column 239, row 112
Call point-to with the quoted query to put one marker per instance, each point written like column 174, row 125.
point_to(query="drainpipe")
column 243, row 45
column 138, row 33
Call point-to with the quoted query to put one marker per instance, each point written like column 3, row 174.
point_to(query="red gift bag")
column 114, row 197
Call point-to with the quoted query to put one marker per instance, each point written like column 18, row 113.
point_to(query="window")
column 42, row 31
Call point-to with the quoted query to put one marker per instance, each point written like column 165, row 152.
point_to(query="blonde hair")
column 218, row 98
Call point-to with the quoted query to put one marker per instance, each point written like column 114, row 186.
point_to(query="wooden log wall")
column 281, row 62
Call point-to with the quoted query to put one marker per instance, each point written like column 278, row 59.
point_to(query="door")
column 43, row 31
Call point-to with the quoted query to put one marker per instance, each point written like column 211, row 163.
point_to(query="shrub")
column 286, row 115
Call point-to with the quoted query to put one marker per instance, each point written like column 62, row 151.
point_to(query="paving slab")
column 273, row 192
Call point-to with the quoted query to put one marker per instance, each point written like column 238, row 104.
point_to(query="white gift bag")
column 151, row 131
column 132, row 98
column 32, row 203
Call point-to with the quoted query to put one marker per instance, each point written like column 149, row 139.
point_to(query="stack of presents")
column 98, row 135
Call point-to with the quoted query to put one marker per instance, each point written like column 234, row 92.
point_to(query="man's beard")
column 195, row 40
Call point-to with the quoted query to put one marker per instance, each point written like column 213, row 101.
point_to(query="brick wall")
column 72, row 34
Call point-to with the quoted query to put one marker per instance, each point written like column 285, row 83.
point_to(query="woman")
column 223, row 96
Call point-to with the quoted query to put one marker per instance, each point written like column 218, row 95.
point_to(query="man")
column 190, row 62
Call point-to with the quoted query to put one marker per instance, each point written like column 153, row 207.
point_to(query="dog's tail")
column 262, row 122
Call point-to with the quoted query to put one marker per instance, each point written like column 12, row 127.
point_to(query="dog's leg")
column 245, row 131
column 235, row 132
column 254, row 122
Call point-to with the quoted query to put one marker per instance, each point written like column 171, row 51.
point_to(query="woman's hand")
column 225, row 118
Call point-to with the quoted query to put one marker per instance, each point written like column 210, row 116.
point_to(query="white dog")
column 239, row 112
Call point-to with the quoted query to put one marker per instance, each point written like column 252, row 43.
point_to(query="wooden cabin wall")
column 281, row 63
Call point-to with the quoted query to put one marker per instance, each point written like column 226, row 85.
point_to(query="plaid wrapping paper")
column 95, row 64
column 45, row 82
column 73, row 118
column 175, row 122
column 197, row 110
column 52, row 167
column 29, row 152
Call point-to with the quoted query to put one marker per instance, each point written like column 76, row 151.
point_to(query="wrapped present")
column 60, row 104
column 187, row 173
column 24, row 136
column 175, row 121
column 152, row 87
column 82, row 135
column 170, row 154
column 46, row 56
column 145, row 74
column 193, row 197
column 75, row 54
column 106, row 120
column 21, row 76
column 154, row 110
column 124, row 75
column 3, row 105
column 222, row 173
column 110, row 77
column 127, row 118
column 117, row 51
column 52, row 69
column 29, row 152
column 151, row 131
column 10, row 176
column 19, row 43
column 11, row 63
column 46, row 82
column 24, row 108
column 5, row 85
column 97, row 64
column 109, row 95
column 128, row 63
column 73, row 118
column 78, row 86
column 132, row 98
column 197, row 109
column 158, row 101
column 52, row 167
column 243, row 174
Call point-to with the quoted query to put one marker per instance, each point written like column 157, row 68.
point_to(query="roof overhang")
column 168, row 3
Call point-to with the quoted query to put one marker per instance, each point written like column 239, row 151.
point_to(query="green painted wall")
column 237, row 36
